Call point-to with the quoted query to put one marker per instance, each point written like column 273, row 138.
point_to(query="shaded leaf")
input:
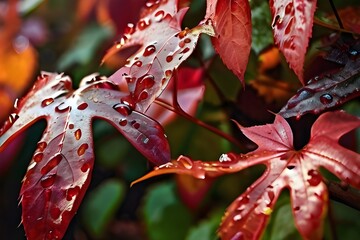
column 59, row 173
column 297, row 170
column 164, row 46
column 232, row 23
column 292, row 27
column 332, row 88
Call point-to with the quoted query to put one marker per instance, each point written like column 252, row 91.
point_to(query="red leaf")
column 297, row 170
column 232, row 23
column 59, row 173
column 292, row 27
column 164, row 46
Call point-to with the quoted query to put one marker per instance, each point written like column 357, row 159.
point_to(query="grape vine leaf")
column 297, row 170
column 164, row 46
column 330, row 89
column 232, row 24
column 60, row 170
column 292, row 28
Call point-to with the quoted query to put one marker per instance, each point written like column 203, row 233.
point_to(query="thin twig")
column 336, row 14
column 343, row 195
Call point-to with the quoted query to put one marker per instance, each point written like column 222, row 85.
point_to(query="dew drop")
column 187, row 40
column 187, row 163
column 82, row 106
column 38, row 157
column 143, row 95
column 55, row 212
column 61, row 109
column 181, row 44
column 169, row 58
column 143, row 23
column 72, row 192
column 168, row 73
column 13, row 117
column 149, row 50
column 123, row 109
column 185, row 50
column 129, row 29
column 138, row 63
column 237, row 217
column 159, row 15
column 85, row 167
column 296, row 208
column 47, row 102
column 290, row 167
column 71, row 126
column 78, row 134
column 315, row 178
column 135, row 124
column 41, row 146
column 82, row 149
column 48, row 180
column 326, row 98
column 51, row 164
column 146, row 82
column 123, row 122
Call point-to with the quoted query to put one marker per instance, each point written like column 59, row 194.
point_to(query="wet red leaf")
column 60, row 170
column 164, row 46
column 232, row 23
column 292, row 27
column 297, row 170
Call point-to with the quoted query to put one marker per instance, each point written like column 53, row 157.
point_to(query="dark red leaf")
column 292, row 26
column 297, row 170
column 232, row 23
column 60, row 170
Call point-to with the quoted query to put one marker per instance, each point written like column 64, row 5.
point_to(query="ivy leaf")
column 60, row 170
column 329, row 89
column 297, row 170
column 292, row 27
column 164, row 46
column 232, row 23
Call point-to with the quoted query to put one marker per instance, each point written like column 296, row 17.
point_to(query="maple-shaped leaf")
column 292, row 27
column 297, row 170
column 60, row 170
column 332, row 89
column 164, row 46
column 232, row 24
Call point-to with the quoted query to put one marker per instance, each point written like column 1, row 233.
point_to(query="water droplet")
column 169, row 58
column 51, row 164
column 159, row 15
column 61, row 108
column 326, row 98
column 224, row 158
column 123, row 109
column 130, row 79
column 181, row 44
column 149, row 50
column 82, row 149
column 146, row 82
column 138, row 63
column 187, row 40
column 85, row 167
column 123, row 122
column 77, row 134
column 38, row 157
column 185, row 50
column 13, row 117
column 129, row 29
column 296, row 208
column 72, row 192
column 290, row 167
column 237, row 217
column 135, row 124
column 47, row 102
column 143, row 95
column 48, row 180
column 315, row 178
column 41, row 146
column 143, row 23
column 82, row 106
column 183, row 33
column 55, row 212
column 186, row 162
column 168, row 73
column 145, row 140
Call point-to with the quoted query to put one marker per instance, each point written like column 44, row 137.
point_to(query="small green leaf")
column 207, row 228
column 101, row 205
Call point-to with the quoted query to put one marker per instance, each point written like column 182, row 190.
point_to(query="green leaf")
column 85, row 47
column 101, row 205
column 165, row 215
column 206, row 230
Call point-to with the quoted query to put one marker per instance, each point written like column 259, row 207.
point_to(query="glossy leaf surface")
column 60, row 170
column 164, row 46
column 232, row 23
column 292, row 27
column 247, row 216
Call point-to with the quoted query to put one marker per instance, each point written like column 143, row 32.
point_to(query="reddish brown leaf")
column 163, row 48
column 329, row 89
column 292, row 26
column 232, row 23
column 297, row 170
column 59, row 173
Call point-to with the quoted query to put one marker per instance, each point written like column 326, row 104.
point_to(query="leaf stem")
column 336, row 14
column 343, row 194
